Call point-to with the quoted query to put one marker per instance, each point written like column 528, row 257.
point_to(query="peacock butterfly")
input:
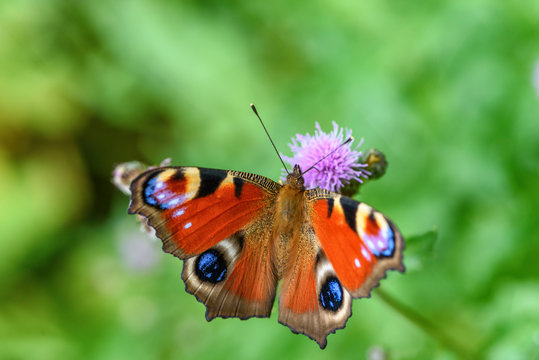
column 239, row 234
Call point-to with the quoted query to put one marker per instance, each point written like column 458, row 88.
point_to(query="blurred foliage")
column 443, row 88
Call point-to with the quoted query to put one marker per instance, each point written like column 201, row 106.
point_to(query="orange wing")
column 218, row 222
column 340, row 250
column 312, row 300
column 192, row 209
column 360, row 243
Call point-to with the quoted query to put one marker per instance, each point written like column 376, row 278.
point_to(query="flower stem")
column 426, row 325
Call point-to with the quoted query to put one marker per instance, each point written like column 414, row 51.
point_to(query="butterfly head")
column 295, row 179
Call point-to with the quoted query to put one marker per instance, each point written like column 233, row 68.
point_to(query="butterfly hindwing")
column 234, row 278
column 312, row 300
column 360, row 242
column 218, row 222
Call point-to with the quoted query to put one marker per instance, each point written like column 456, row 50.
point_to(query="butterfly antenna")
column 331, row 152
column 267, row 133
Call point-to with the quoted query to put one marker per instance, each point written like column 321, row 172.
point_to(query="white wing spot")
column 187, row 226
column 173, row 202
column 178, row 212
column 380, row 244
column 161, row 196
column 356, row 261
column 365, row 253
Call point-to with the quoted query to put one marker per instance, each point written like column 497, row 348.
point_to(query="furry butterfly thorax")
column 240, row 234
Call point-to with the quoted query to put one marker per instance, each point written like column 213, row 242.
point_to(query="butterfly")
column 239, row 234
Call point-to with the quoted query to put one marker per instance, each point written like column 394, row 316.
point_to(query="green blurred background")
column 445, row 89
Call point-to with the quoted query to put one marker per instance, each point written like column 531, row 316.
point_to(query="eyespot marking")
column 210, row 266
column 381, row 244
column 151, row 187
column 331, row 294
column 157, row 193
column 390, row 242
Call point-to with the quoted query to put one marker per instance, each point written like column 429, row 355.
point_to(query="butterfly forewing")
column 192, row 209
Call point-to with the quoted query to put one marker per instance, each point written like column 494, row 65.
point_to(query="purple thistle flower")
column 335, row 171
